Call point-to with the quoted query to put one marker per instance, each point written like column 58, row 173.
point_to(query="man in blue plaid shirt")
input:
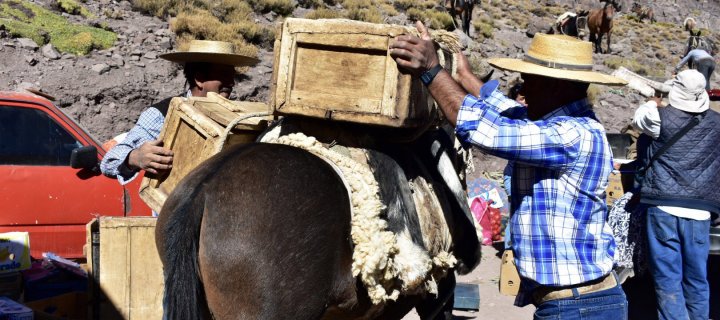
column 563, row 247
column 209, row 67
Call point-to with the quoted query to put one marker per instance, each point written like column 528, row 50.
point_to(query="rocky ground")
column 106, row 90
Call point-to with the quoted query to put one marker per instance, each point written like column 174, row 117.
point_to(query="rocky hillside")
column 105, row 75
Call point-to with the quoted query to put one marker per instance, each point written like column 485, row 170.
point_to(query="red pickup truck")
column 50, row 182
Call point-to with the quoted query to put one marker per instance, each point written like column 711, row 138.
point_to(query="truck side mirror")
column 84, row 158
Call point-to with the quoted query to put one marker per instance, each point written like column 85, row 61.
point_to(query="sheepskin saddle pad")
column 401, row 241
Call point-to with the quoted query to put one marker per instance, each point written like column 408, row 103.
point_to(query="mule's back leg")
column 275, row 238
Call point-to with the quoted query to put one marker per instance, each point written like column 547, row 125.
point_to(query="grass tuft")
column 323, row 13
column 73, row 7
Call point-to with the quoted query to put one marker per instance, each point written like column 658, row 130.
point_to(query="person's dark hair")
column 515, row 90
column 191, row 69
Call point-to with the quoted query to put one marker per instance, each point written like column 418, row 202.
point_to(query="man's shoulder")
column 163, row 105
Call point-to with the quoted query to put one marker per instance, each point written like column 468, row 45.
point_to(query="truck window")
column 31, row 137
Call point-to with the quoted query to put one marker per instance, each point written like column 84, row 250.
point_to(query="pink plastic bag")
column 479, row 209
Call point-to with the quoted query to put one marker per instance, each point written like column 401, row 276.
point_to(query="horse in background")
column 571, row 24
column 697, row 41
column 643, row 12
column 600, row 22
column 689, row 24
column 462, row 8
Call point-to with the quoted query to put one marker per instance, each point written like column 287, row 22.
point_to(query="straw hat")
column 558, row 56
column 219, row 52
column 688, row 92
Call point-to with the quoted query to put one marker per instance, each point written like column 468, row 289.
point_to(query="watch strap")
column 428, row 76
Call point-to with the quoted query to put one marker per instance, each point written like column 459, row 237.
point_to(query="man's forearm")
column 448, row 94
column 470, row 82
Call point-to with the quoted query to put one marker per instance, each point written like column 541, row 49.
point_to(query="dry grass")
column 371, row 14
column 484, row 27
column 201, row 24
column 322, row 13
column 281, row 7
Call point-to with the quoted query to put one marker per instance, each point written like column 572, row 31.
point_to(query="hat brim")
column 208, row 57
column 522, row 66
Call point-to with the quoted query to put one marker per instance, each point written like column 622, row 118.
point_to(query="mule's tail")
column 177, row 234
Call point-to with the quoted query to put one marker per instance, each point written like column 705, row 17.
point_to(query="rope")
column 235, row 122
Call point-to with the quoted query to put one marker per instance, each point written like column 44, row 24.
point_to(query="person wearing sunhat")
column 562, row 245
column 209, row 66
column 681, row 187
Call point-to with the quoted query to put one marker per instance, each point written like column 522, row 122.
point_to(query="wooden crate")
column 128, row 268
column 342, row 70
column 194, row 130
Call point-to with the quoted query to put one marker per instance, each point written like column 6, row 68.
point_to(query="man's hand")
column 151, row 157
column 414, row 54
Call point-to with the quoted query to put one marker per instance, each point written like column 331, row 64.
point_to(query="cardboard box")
column 11, row 310
column 342, row 70
column 195, row 129
column 14, row 251
column 69, row 306
column 509, row 277
column 130, row 279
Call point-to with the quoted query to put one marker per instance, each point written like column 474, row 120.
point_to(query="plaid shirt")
column 561, row 168
column 146, row 129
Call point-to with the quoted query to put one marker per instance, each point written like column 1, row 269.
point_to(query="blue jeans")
column 678, row 254
column 609, row 304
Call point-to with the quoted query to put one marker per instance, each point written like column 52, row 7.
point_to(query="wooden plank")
column 130, row 269
column 114, row 268
column 353, row 41
column 335, row 102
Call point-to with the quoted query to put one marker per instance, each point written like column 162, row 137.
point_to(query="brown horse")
column 643, row 12
column 262, row 231
column 600, row 21
column 462, row 8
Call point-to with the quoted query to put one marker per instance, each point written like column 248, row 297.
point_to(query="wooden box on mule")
column 197, row 128
column 342, row 70
column 126, row 274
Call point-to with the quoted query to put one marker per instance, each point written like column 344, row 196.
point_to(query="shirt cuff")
column 125, row 174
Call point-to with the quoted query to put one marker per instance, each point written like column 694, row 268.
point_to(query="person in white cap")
column 209, row 66
column 680, row 160
column 562, row 244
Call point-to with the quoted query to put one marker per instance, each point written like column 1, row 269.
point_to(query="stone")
column 49, row 52
column 100, row 68
column 27, row 43
column 150, row 55
column 31, row 60
column 135, row 58
column 165, row 43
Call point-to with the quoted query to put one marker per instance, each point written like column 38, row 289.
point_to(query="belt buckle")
column 543, row 294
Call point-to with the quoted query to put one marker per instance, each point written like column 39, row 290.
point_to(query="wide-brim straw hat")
column 218, row 52
column 558, row 56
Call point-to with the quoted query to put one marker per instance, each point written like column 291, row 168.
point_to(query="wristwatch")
column 428, row 76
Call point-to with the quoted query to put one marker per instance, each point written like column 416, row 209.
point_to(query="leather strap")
column 544, row 294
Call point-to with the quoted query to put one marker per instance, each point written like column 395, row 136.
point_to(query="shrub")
column 323, row 13
column 405, row 4
column 484, row 27
column 281, row 7
column 42, row 25
column 368, row 15
column 389, row 9
column 72, row 7
column 439, row 20
column 202, row 25
column 415, row 14
column 231, row 10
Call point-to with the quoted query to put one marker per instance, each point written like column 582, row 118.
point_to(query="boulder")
column 49, row 52
column 27, row 43
column 100, row 68
column 150, row 55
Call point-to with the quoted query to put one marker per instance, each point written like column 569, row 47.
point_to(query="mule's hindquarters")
column 274, row 241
